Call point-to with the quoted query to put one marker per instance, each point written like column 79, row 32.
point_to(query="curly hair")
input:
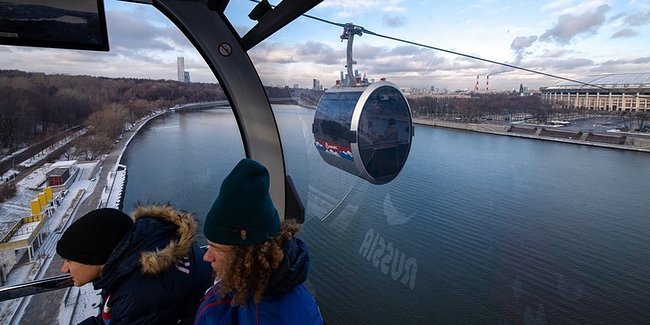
column 247, row 269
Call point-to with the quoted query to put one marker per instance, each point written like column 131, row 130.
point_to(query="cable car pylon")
column 349, row 30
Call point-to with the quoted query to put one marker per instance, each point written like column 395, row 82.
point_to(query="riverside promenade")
column 641, row 144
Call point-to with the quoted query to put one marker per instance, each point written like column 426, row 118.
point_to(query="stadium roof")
column 618, row 82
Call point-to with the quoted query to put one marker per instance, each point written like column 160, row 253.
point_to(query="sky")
column 570, row 38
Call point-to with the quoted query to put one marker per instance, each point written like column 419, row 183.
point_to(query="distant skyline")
column 569, row 38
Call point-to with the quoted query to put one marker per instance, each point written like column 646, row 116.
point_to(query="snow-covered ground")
column 39, row 156
column 78, row 303
column 112, row 193
column 18, row 207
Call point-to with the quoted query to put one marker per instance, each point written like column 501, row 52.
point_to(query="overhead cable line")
column 458, row 53
column 455, row 53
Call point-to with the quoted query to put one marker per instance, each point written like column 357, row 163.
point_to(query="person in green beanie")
column 259, row 264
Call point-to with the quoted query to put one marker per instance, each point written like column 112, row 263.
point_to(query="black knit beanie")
column 92, row 238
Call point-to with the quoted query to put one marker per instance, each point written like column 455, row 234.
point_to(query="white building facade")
column 615, row 92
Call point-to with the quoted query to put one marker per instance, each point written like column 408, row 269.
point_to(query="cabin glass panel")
column 384, row 133
column 334, row 115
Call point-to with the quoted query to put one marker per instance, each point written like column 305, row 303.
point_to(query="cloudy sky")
column 570, row 38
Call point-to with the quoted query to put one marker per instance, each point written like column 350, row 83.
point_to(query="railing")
column 41, row 286
column 35, row 287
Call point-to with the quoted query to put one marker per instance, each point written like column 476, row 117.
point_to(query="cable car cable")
column 486, row 60
column 463, row 54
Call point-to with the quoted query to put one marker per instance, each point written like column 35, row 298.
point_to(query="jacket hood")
column 158, row 260
column 293, row 269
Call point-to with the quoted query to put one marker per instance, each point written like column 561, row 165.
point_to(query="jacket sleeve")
column 93, row 320
column 215, row 309
column 201, row 280
column 145, row 304
column 159, row 299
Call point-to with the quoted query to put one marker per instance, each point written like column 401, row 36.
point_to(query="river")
column 477, row 228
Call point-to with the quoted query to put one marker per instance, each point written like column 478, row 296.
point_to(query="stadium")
column 611, row 92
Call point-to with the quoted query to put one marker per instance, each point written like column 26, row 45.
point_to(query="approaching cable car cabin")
column 365, row 131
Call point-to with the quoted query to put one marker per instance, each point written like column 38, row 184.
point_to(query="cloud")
column 318, row 52
column 519, row 45
column 314, row 59
column 405, row 59
column 643, row 60
column 522, row 42
column 625, row 32
column 356, row 8
column 128, row 31
column 393, row 21
column 638, row 19
column 569, row 26
column 629, row 22
column 622, row 65
column 556, row 5
column 56, row 60
column 322, row 61
column 310, row 51
column 562, row 65
column 554, row 53
column 272, row 53
column 408, row 50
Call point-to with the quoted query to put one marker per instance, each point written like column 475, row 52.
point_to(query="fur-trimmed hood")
column 155, row 274
column 161, row 238
column 154, row 262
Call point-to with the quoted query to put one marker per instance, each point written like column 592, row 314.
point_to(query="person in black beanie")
column 88, row 243
column 149, row 270
column 259, row 264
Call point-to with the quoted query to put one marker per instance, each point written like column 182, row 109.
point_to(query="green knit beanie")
column 243, row 214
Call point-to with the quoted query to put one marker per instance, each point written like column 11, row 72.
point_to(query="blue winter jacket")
column 286, row 300
column 156, row 274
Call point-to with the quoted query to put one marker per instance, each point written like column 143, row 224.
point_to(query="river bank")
column 632, row 143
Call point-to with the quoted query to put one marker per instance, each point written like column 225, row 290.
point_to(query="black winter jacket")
column 156, row 274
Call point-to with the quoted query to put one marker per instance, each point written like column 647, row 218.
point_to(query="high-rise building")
column 180, row 62
column 186, row 76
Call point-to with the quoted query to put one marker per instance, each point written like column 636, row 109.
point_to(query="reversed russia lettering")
column 389, row 259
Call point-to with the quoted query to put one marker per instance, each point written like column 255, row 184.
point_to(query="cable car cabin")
column 365, row 131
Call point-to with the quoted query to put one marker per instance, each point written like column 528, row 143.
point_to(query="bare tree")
column 72, row 153
column 7, row 191
column 641, row 118
column 108, row 121
column 627, row 119
column 91, row 146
